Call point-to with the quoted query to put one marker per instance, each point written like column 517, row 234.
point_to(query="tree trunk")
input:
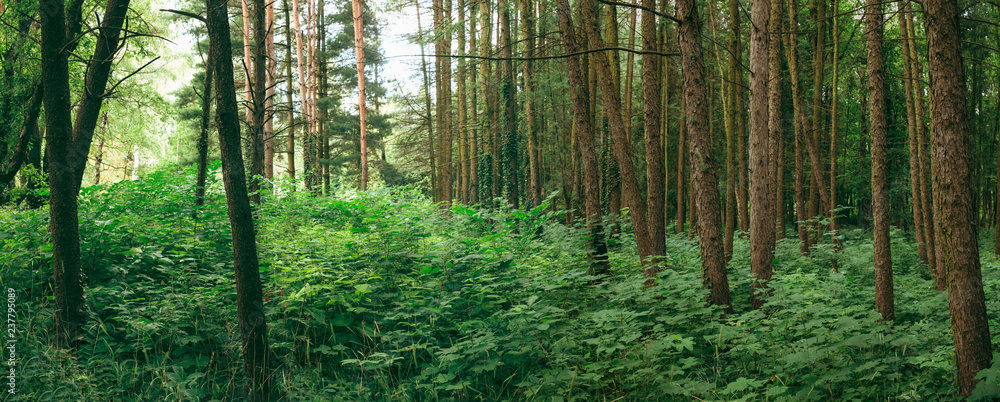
column 442, row 47
column 359, row 50
column 99, row 159
column 70, row 142
column 304, row 96
column 730, row 124
column 801, row 126
column 206, row 110
column 272, row 74
column 587, row 147
column 291, row 106
column 249, row 300
column 884, row 299
column 966, row 299
column 474, row 107
column 530, row 112
column 761, row 225
column 682, row 144
column 703, row 179
column 463, row 109
column 69, row 314
column 88, row 108
column 912, row 130
column 259, row 108
column 611, row 100
column 511, row 149
column 655, row 184
column 818, row 198
column 775, row 117
column 834, row 237
column 926, row 198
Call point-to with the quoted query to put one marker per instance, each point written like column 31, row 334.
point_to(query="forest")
column 500, row 200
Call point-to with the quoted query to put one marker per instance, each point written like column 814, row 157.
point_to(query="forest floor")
column 383, row 296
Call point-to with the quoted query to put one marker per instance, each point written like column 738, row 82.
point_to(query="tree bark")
column 291, row 106
column 818, row 197
column 359, row 50
column 913, row 144
column 88, row 109
column 703, row 178
column 761, row 225
column 884, row 299
column 801, row 126
column 834, row 238
column 304, row 95
column 966, row 299
column 587, row 147
column 269, row 87
column 530, row 108
column 611, row 100
column 510, row 151
column 926, row 199
column 775, row 117
column 474, row 109
column 730, row 124
column 259, row 107
column 206, row 110
column 655, row 180
column 249, row 300
column 682, row 144
column 70, row 313
column 463, row 111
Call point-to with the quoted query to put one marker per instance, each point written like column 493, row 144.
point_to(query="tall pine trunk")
column 655, row 180
column 611, row 100
column 587, row 147
column 884, row 300
column 761, row 225
column 966, row 299
column 703, row 178
column 359, row 50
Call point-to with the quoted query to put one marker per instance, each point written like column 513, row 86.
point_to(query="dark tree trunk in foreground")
column 884, row 300
column 585, row 135
column 64, row 225
column 761, row 224
column 966, row 300
column 703, row 179
column 68, row 145
column 249, row 300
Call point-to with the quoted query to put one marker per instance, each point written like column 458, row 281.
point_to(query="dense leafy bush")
column 383, row 296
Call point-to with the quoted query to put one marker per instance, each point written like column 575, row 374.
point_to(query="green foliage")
column 383, row 296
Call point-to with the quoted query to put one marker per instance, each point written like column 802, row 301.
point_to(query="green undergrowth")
column 384, row 296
